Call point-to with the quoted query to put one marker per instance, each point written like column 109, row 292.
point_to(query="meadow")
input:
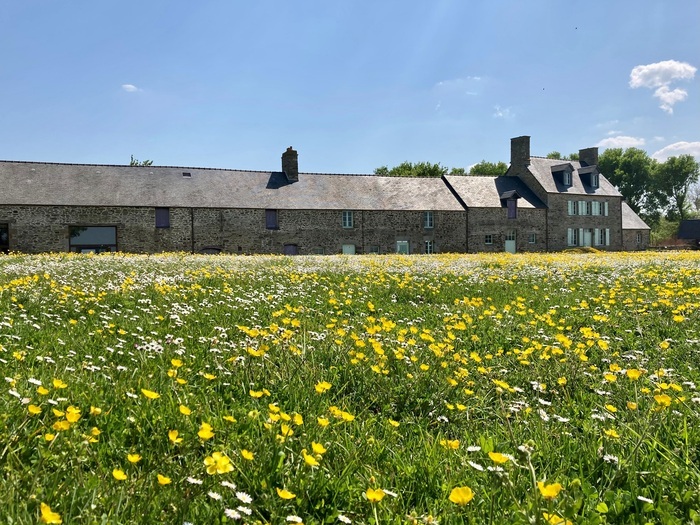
column 527, row 389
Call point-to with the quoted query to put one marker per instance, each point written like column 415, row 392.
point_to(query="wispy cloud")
column 621, row 141
column 659, row 76
column 456, row 92
column 501, row 112
column 678, row 148
column 130, row 88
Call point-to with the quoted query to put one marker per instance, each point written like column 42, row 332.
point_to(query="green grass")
column 434, row 362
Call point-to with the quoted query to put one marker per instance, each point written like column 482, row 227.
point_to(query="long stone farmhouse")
column 539, row 204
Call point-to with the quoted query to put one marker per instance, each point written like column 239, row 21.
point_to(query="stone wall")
column 560, row 221
column 494, row 222
column 629, row 240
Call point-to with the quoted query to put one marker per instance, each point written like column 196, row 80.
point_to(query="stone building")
column 146, row 209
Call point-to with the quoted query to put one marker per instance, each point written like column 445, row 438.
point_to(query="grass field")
column 545, row 389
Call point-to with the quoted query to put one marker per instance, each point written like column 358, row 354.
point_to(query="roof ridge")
column 129, row 166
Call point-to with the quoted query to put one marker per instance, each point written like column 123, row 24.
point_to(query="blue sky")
column 351, row 84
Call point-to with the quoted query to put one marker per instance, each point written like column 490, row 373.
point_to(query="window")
column 428, row 221
column 512, row 208
column 291, row 249
column 4, row 238
column 566, row 177
column 429, row 246
column 595, row 208
column 510, row 236
column 162, row 217
column 402, row 247
column 589, row 208
column 532, row 238
column 373, row 249
column 93, row 239
column 639, row 237
column 581, row 207
column 187, row 174
column 572, row 236
column 348, row 249
column 572, row 207
column 271, row 220
column 595, row 180
column 348, row 221
column 319, row 251
column 488, row 238
column 605, row 208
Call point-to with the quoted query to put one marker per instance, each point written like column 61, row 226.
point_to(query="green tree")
column 136, row 162
column 632, row 172
column 489, row 168
column 556, row 155
column 673, row 180
column 409, row 169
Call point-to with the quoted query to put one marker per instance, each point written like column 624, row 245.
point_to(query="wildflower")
column 374, row 495
column 119, row 474
column 497, row 457
column 230, row 419
column 285, row 494
column 298, row 419
column 318, row 448
column 214, row 495
column 42, row 391
column 34, row 410
column 173, row 437
column 476, row 466
column 634, row 374
column 244, row 510
column 256, row 393
column 323, row 386
column 245, row 498
column 57, row 383
column 612, row 433
column 232, row 514
column 344, row 519
column 322, row 421
column 194, row 481
column 228, row 485
column 163, row 480
column 294, row 519
column 150, row 394
column 49, row 516
column 631, row 405
column 450, row 443
column 205, row 431
column 549, row 491
column 247, row 454
column 95, row 411
column 645, row 500
column 72, row 414
column 663, row 399
column 61, row 426
column 218, row 463
column 49, row 436
column 184, row 410
column 309, row 459
column 553, row 519
column 133, row 458
column 609, row 458
column 461, row 495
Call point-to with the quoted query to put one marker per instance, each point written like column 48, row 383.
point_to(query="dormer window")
column 595, row 180
column 590, row 176
column 563, row 173
column 510, row 199
column 566, row 178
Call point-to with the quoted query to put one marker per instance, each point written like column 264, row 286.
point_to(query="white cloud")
column 613, row 132
column 460, row 86
column 500, row 112
column 678, row 148
column 621, row 141
column 659, row 76
column 130, row 88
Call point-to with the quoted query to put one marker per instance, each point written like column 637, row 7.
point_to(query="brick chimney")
column 588, row 156
column 519, row 154
column 290, row 164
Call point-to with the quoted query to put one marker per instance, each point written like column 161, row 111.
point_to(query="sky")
column 350, row 84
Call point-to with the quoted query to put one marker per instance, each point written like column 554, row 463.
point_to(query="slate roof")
column 52, row 184
column 689, row 229
column 485, row 192
column 541, row 168
column 630, row 220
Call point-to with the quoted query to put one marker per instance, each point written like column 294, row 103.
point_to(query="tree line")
column 655, row 190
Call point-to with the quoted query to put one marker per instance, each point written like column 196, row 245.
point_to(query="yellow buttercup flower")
column 133, row 458
column 322, row 386
column 285, row 494
column 549, row 491
column 150, row 394
column 163, row 480
column 205, row 431
column 173, row 437
column 218, row 463
column 57, row 383
column 247, row 454
column 309, row 459
column 34, row 410
column 318, row 448
column 49, row 516
column 497, row 457
column 119, row 474
column 461, row 495
column 375, row 495
column 184, row 410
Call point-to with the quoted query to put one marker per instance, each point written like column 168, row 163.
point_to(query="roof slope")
column 104, row 185
column 689, row 229
column 485, row 192
column 541, row 168
column 630, row 220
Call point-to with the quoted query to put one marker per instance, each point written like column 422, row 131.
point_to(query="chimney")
column 519, row 154
column 588, row 156
column 290, row 164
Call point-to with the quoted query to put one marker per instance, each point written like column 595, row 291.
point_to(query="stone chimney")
column 588, row 156
column 290, row 164
column 519, row 154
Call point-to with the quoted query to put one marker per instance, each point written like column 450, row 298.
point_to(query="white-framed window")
column 601, row 237
column 488, row 238
column 428, row 246
column 566, row 176
column 572, row 236
column 573, row 208
column 348, row 249
column 428, row 220
column 402, row 247
column 589, row 208
column 605, row 208
column 595, row 180
column 348, row 219
column 639, row 237
column 581, row 207
column 595, row 208
column 531, row 238
column 510, row 236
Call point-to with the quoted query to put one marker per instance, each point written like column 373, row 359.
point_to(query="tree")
column 494, row 169
column 136, row 162
column 673, row 180
column 408, row 169
column 631, row 171
column 556, row 155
